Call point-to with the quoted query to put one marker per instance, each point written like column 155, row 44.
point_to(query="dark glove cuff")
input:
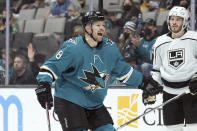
column 144, row 83
column 42, row 87
column 44, row 84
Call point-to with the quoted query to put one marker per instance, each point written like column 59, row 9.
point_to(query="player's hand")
column 193, row 85
column 150, row 89
column 151, row 86
column 148, row 99
column 44, row 95
column 136, row 40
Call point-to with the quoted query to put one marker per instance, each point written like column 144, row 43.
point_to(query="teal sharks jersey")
column 82, row 74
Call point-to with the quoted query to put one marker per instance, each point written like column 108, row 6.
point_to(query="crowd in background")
column 134, row 35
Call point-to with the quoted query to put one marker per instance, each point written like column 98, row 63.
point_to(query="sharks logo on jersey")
column 95, row 79
column 176, row 58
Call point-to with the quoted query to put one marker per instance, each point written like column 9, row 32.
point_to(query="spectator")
column 167, row 4
column 112, row 25
column 3, row 64
column 22, row 74
column 184, row 3
column 13, row 2
column 83, row 6
column 73, row 19
column 60, row 9
column 13, row 24
column 2, row 75
column 35, row 60
column 130, row 12
column 107, row 19
column 144, row 47
column 36, row 4
column 51, row 3
column 73, row 14
column 20, row 5
column 147, row 5
column 126, row 46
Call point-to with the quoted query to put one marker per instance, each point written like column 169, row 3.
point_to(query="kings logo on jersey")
column 95, row 79
column 176, row 58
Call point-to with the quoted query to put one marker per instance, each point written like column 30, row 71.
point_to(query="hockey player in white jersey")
column 175, row 67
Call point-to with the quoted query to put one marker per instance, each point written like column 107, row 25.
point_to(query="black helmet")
column 92, row 16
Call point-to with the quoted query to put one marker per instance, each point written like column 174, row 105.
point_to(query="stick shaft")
column 48, row 117
column 145, row 113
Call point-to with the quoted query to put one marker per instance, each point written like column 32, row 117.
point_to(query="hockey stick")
column 163, row 104
column 48, row 117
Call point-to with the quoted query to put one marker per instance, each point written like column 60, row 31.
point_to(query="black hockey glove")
column 44, row 95
column 147, row 98
column 150, row 89
column 193, row 85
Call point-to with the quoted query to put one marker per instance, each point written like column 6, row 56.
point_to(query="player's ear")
column 88, row 28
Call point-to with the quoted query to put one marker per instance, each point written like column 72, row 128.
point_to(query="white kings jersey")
column 175, row 61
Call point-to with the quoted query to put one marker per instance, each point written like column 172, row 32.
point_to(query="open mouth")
column 100, row 34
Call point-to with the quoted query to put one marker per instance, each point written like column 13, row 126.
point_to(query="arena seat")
column 151, row 15
column 34, row 26
column 27, row 14
column 162, row 16
column 3, row 43
column 22, row 40
column 45, row 44
column 41, row 12
column 55, row 25
column 21, row 26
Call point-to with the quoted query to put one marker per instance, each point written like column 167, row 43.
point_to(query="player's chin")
column 176, row 31
column 99, row 38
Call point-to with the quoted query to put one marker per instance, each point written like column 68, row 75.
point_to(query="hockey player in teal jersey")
column 81, row 69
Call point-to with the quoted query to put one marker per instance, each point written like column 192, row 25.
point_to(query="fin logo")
column 127, row 110
column 95, row 79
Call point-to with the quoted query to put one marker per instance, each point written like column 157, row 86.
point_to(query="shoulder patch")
column 109, row 41
column 73, row 40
